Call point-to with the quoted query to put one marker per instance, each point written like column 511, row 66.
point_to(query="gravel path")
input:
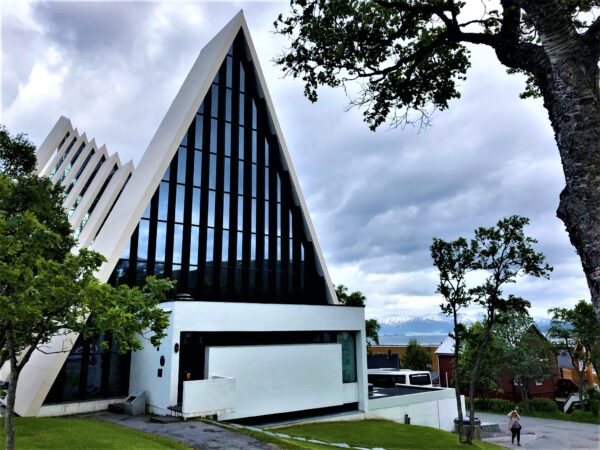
column 196, row 434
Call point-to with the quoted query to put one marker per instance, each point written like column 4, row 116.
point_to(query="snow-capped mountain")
column 429, row 328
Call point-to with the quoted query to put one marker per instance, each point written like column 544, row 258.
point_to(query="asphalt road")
column 546, row 434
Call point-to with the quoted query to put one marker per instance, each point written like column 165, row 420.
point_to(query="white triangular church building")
column 255, row 329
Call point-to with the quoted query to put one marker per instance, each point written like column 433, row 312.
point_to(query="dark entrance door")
column 191, row 360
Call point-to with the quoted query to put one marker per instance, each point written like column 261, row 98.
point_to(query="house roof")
column 446, row 347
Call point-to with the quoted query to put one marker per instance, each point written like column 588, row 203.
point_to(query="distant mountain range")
column 430, row 328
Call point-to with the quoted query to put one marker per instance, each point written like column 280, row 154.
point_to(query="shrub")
column 593, row 401
column 498, row 405
column 542, row 404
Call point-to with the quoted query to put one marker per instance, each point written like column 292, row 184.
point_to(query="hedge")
column 502, row 406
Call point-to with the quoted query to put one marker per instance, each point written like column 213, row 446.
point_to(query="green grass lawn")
column 379, row 433
column 77, row 433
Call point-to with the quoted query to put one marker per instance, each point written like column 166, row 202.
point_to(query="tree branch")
column 555, row 27
column 592, row 37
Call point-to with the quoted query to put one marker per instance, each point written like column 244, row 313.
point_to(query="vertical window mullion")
column 296, row 246
column 204, row 199
column 220, row 182
column 171, row 219
column 187, row 210
column 260, row 200
column 285, row 234
column 247, row 218
column 234, row 175
column 152, row 233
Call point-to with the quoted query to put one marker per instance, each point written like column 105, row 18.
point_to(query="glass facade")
column 90, row 372
column 223, row 222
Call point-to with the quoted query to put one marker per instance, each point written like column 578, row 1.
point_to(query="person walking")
column 514, row 426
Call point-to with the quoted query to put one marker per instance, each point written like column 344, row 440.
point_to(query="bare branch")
column 592, row 37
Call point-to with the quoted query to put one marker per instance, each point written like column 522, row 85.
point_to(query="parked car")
column 389, row 378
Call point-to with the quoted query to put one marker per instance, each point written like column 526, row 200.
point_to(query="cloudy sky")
column 376, row 199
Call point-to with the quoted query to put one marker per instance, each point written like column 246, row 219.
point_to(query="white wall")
column 435, row 409
column 220, row 316
column 143, row 375
column 207, row 397
column 279, row 378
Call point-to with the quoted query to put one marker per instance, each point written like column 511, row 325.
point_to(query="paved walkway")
column 196, row 434
column 546, row 434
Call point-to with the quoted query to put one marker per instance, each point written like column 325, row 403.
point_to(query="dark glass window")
column 197, row 168
column 212, row 176
column 241, row 144
column 241, row 177
column 210, row 245
column 177, row 244
column 211, row 209
column 242, row 78
column 144, row 233
column 194, row 240
column 79, row 172
column 238, row 178
column 91, row 372
column 214, row 105
column 73, row 159
column 163, row 201
column 241, row 112
column 227, row 139
column 86, row 186
column 161, row 241
column 227, row 175
column 181, row 164
column 196, row 206
column 229, row 76
column 228, row 105
column 179, row 203
column 198, row 135
column 62, row 158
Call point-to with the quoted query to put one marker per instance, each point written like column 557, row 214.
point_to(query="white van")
column 388, row 378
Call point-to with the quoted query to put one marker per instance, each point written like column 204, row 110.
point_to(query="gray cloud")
column 376, row 199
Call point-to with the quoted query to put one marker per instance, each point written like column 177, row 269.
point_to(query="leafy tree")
column 504, row 253
column 491, row 361
column 46, row 289
column 528, row 356
column 579, row 332
column 500, row 254
column 454, row 260
column 372, row 330
column 416, row 357
column 408, row 56
column 357, row 298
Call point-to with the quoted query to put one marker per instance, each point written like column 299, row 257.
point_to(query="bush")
column 542, row 405
column 498, row 405
column 593, row 401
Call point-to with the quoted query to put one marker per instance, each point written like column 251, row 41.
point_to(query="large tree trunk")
column 525, row 394
column 12, row 391
column 455, row 370
column 569, row 85
column 474, row 377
